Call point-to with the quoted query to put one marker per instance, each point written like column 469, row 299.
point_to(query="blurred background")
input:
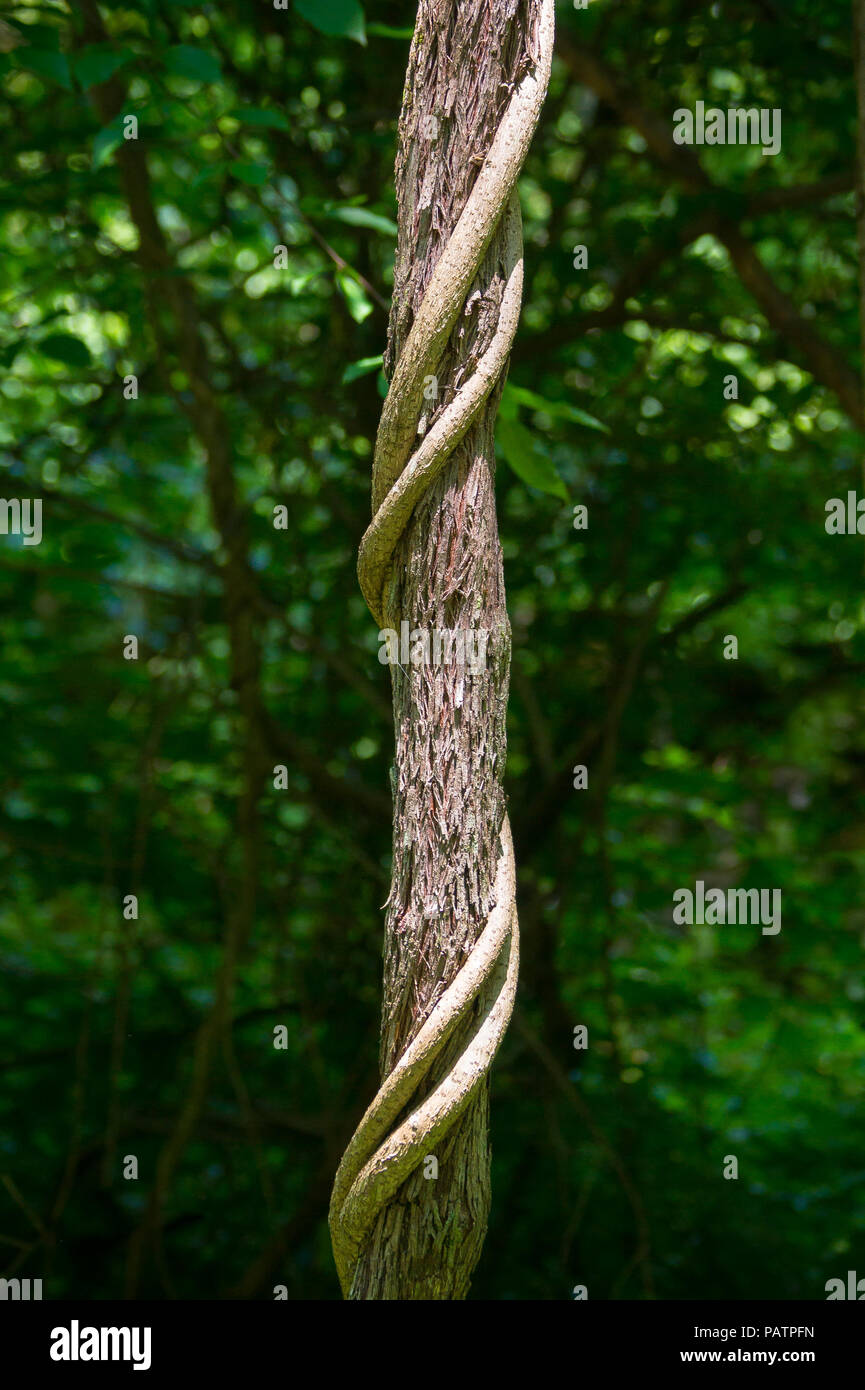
column 191, row 324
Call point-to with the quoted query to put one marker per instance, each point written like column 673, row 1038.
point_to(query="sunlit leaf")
column 361, row 368
column 521, row 450
column 519, row 395
column 362, row 217
column 359, row 306
column 106, row 142
column 387, row 31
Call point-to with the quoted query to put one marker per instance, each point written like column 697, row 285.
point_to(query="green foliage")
column 48, row 63
column 99, row 63
column 341, row 17
column 361, row 368
column 527, row 458
column 195, row 64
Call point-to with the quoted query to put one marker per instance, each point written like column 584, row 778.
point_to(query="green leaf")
column 361, row 368
column 359, row 306
column 99, row 62
column 582, row 417
column 362, row 217
column 257, row 116
column 195, row 64
column 520, row 395
column 526, row 457
column 387, row 31
column 48, row 62
column 65, row 348
column 206, row 175
column 508, row 405
column 340, row 18
column 106, row 142
column 248, row 172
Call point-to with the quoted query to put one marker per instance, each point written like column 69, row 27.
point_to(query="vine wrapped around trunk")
column 477, row 78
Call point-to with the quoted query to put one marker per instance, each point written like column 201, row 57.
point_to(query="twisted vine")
column 379, row 1158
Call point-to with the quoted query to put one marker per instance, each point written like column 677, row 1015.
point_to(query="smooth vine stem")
column 371, row 1171
column 379, row 1156
column 387, row 526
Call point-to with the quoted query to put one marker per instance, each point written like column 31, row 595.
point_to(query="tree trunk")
column 450, row 826
column 450, row 726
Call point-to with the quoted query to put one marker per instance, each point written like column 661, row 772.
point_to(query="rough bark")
column 450, row 725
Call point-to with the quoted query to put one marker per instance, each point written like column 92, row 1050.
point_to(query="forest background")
column 235, row 259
